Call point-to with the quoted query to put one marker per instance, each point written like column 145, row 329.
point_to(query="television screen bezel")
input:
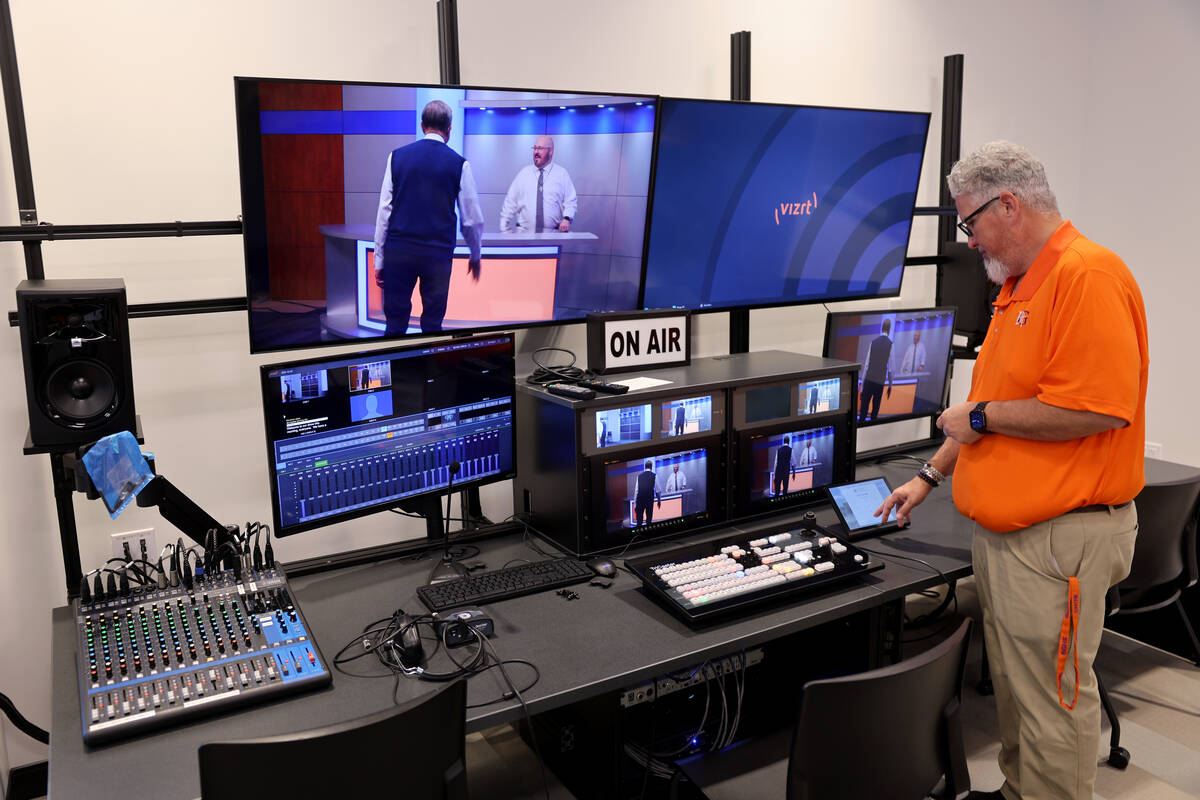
column 665, row 99
column 375, row 355
column 253, row 227
column 829, row 319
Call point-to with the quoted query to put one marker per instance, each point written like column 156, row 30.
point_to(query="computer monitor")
column 904, row 356
column 313, row 157
column 359, row 433
column 757, row 204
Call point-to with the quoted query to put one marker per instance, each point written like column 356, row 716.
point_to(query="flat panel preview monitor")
column 314, row 158
column 791, row 462
column 904, row 357
column 688, row 415
column 819, row 396
column 616, row 426
column 768, row 402
column 642, row 491
column 856, row 503
column 758, row 205
column 359, row 433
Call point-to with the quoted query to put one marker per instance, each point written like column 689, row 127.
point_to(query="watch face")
column 978, row 421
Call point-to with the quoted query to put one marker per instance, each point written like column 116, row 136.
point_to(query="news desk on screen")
column 518, row 282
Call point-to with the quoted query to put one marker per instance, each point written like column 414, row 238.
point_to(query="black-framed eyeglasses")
column 965, row 226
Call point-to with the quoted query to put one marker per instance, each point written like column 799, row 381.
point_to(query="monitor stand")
column 446, row 568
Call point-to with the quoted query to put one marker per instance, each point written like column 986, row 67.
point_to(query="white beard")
column 996, row 271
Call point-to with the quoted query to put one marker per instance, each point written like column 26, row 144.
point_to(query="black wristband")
column 928, row 479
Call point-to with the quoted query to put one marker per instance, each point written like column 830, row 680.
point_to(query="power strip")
column 646, row 692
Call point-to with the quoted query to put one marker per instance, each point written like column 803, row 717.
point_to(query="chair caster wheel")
column 1118, row 757
column 984, row 687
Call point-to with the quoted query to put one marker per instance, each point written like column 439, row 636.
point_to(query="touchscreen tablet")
column 855, row 504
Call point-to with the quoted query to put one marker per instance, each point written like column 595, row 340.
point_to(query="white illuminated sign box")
column 624, row 341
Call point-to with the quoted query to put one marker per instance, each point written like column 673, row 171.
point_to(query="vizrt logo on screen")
column 804, row 209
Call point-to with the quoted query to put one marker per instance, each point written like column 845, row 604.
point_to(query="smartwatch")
column 979, row 418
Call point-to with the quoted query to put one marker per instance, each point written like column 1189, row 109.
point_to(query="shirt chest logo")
column 1022, row 318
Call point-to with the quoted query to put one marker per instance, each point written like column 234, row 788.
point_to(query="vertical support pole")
column 64, row 493
column 952, row 88
column 447, row 13
column 18, row 140
column 739, row 90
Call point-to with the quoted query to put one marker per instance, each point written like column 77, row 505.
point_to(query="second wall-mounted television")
column 764, row 205
column 313, row 157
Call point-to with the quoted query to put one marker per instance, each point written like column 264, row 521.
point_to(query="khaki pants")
column 1046, row 751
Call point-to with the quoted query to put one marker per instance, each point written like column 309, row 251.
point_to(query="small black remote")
column 601, row 386
column 567, row 390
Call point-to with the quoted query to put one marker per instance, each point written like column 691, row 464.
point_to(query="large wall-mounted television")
column 363, row 432
column 313, row 156
column 764, row 205
column 904, row 355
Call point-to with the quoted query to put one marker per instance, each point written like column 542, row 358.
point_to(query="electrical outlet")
column 1153, row 450
column 135, row 538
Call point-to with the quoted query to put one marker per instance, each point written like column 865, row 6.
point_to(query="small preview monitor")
column 650, row 489
column 616, row 426
column 689, row 415
column 904, row 355
column 768, row 402
column 791, row 462
column 359, row 433
column 819, row 396
column 333, row 171
column 758, row 204
column 855, row 504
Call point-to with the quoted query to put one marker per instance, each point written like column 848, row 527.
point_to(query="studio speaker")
column 75, row 345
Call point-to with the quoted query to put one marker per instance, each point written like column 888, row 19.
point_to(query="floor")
column 1156, row 695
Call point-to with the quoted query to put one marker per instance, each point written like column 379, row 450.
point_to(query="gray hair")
column 1003, row 166
column 437, row 116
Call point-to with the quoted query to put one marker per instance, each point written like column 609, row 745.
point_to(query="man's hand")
column 889, row 391
column 379, row 278
column 955, row 422
column 904, row 500
column 565, row 225
column 660, row 503
column 475, row 268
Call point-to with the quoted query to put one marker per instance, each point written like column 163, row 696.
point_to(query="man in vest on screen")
column 414, row 231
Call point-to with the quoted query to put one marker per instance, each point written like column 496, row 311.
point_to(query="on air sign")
column 623, row 341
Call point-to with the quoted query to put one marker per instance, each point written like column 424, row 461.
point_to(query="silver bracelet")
column 933, row 472
column 930, row 475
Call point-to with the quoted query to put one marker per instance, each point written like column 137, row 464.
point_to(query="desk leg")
column 887, row 631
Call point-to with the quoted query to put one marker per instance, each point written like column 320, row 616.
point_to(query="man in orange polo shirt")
column 1047, row 457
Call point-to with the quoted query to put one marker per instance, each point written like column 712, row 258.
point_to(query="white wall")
column 129, row 108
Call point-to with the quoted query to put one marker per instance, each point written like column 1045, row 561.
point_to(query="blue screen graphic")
column 760, row 204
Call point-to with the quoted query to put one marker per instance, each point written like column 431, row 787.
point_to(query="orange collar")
column 1055, row 246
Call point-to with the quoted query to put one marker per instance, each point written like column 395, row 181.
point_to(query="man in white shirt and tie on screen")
column 541, row 197
column 676, row 481
column 914, row 356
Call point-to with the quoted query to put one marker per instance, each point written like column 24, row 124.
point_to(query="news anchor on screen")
column 914, row 356
column 414, row 230
column 647, row 491
column 541, row 196
column 783, row 467
column 876, row 372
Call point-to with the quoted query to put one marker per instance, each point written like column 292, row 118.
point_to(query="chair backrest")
column 1165, row 553
column 887, row 733
column 415, row 750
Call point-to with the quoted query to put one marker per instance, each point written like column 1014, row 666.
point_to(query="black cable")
column 549, row 373
column 23, row 725
column 537, row 676
column 924, row 619
column 528, row 717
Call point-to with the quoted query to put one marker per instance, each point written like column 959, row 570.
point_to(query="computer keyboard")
column 725, row 575
column 502, row 584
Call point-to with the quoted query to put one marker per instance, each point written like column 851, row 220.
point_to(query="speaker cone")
column 82, row 391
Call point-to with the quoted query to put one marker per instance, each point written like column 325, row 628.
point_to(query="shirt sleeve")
column 1095, row 357
column 385, row 213
column 508, row 211
column 571, row 200
column 470, row 215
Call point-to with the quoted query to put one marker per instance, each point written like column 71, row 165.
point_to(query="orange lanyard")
column 1070, row 630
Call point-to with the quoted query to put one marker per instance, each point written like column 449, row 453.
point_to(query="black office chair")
column 891, row 733
column 1164, row 564
column 416, row 750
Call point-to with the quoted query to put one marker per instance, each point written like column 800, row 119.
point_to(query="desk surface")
column 608, row 639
